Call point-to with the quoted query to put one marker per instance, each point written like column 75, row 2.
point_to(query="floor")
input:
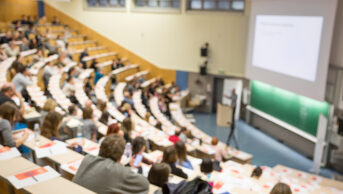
column 266, row 150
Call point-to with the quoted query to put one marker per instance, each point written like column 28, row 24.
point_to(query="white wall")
column 171, row 40
column 337, row 41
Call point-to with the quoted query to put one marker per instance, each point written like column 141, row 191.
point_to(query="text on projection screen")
column 288, row 44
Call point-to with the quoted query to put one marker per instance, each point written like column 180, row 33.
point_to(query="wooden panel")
column 167, row 74
column 13, row 9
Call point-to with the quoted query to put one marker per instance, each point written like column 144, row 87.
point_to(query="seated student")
column 48, row 71
column 175, row 138
column 257, row 172
column 182, row 155
column 69, row 90
column 21, row 80
column 24, row 45
column 82, row 55
column 206, row 167
column 281, row 188
column 8, row 113
column 89, row 86
column 112, row 129
column 104, row 173
column 49, row 105
column 128, row 98
column 105, row 117
column 50, row 128
column 219, row 151
column 72, row 111
column 12, row 50
column 3, row 55
column 39, row 56
column 170, row 157
column 182, row 135
column 138, row 147
column 159, row 175
column 89, row 128
column 127, row 128
column 98, row 74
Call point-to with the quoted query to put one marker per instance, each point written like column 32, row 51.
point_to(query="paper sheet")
column 8, row 153
column 51, row 148
column 32, row 177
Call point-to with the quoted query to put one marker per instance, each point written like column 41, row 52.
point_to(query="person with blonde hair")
column 281, row 188
column 49, row 105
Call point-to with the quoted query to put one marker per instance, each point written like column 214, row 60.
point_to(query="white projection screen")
column 289, row 44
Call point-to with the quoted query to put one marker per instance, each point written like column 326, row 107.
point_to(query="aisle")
column 266, row 150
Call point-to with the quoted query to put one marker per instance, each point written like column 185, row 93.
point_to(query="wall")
column 13, row 9
column 171, row 40
column 337, row 40
column 167, row 74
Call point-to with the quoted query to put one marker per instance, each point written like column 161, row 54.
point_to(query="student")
column 104, row 173
column 72, row 110
column 8, row 112
column 281, row 188
column 82, row 55
column 206, row 167
column 89, row 128
column 49, row 105
column 138, row 147
column 112, row 129
column 50, row 125
column 21, row 80
column 182, row 135
column 257, row 172
column 48, row 71
column 219, row 151
column 50, row 129
column 159, row 174
column 7, row 92
column 175, row 138
column 170, row 157
column 98, row 74
column 182, row 155
column 69, row 88
column 127, row 127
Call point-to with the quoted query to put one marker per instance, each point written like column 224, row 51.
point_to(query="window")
column 105, row 3
column 216, row 5
column 158, row 3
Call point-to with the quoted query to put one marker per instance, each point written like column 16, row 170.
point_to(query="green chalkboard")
column 296, row 110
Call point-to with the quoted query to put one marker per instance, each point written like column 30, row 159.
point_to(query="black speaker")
column 340, row 125
column 203, row 70
column 203, row 52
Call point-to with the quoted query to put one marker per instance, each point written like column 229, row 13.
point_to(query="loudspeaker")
column 203, row 70
column 203, row 52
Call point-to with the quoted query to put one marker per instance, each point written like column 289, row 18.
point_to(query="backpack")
column 195, row 186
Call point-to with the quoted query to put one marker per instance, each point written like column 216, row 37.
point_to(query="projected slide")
column 288, row 44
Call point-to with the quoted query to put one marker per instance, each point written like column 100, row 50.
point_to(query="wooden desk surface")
column 66, row 157
column 57, row 186
column 14, row 166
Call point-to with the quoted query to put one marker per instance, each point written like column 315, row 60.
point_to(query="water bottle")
column 36, row 130
column 128, row 150
column 79, row 131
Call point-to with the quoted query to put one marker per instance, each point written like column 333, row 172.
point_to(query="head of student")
column 112, row 147
column 257, row 172
column 281, row 188
column 169, row 155
column 206, row 166
column 113, row 129
column 181, row 151
column 23, row 70
column 49, row 105
column 87, row 113
column 72, row 110
column 8, row 90
column 51, row 123
column 127, row 124
column 138, row 145
column 9, row 112
column 214, row 141
column 159, row 174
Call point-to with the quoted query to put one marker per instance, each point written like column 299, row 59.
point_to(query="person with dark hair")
column 138, row 147
column 82, row 55
column 89, row 129
column 257, row 172
column 159, row 174
column 104, row 173
column 206, row 167
column 8, row 113
column 182, row 155
column 127, row 127
column 21, row 80
column 104, row 118
column 281, row 188
column 72, row 110
column 170, row 157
